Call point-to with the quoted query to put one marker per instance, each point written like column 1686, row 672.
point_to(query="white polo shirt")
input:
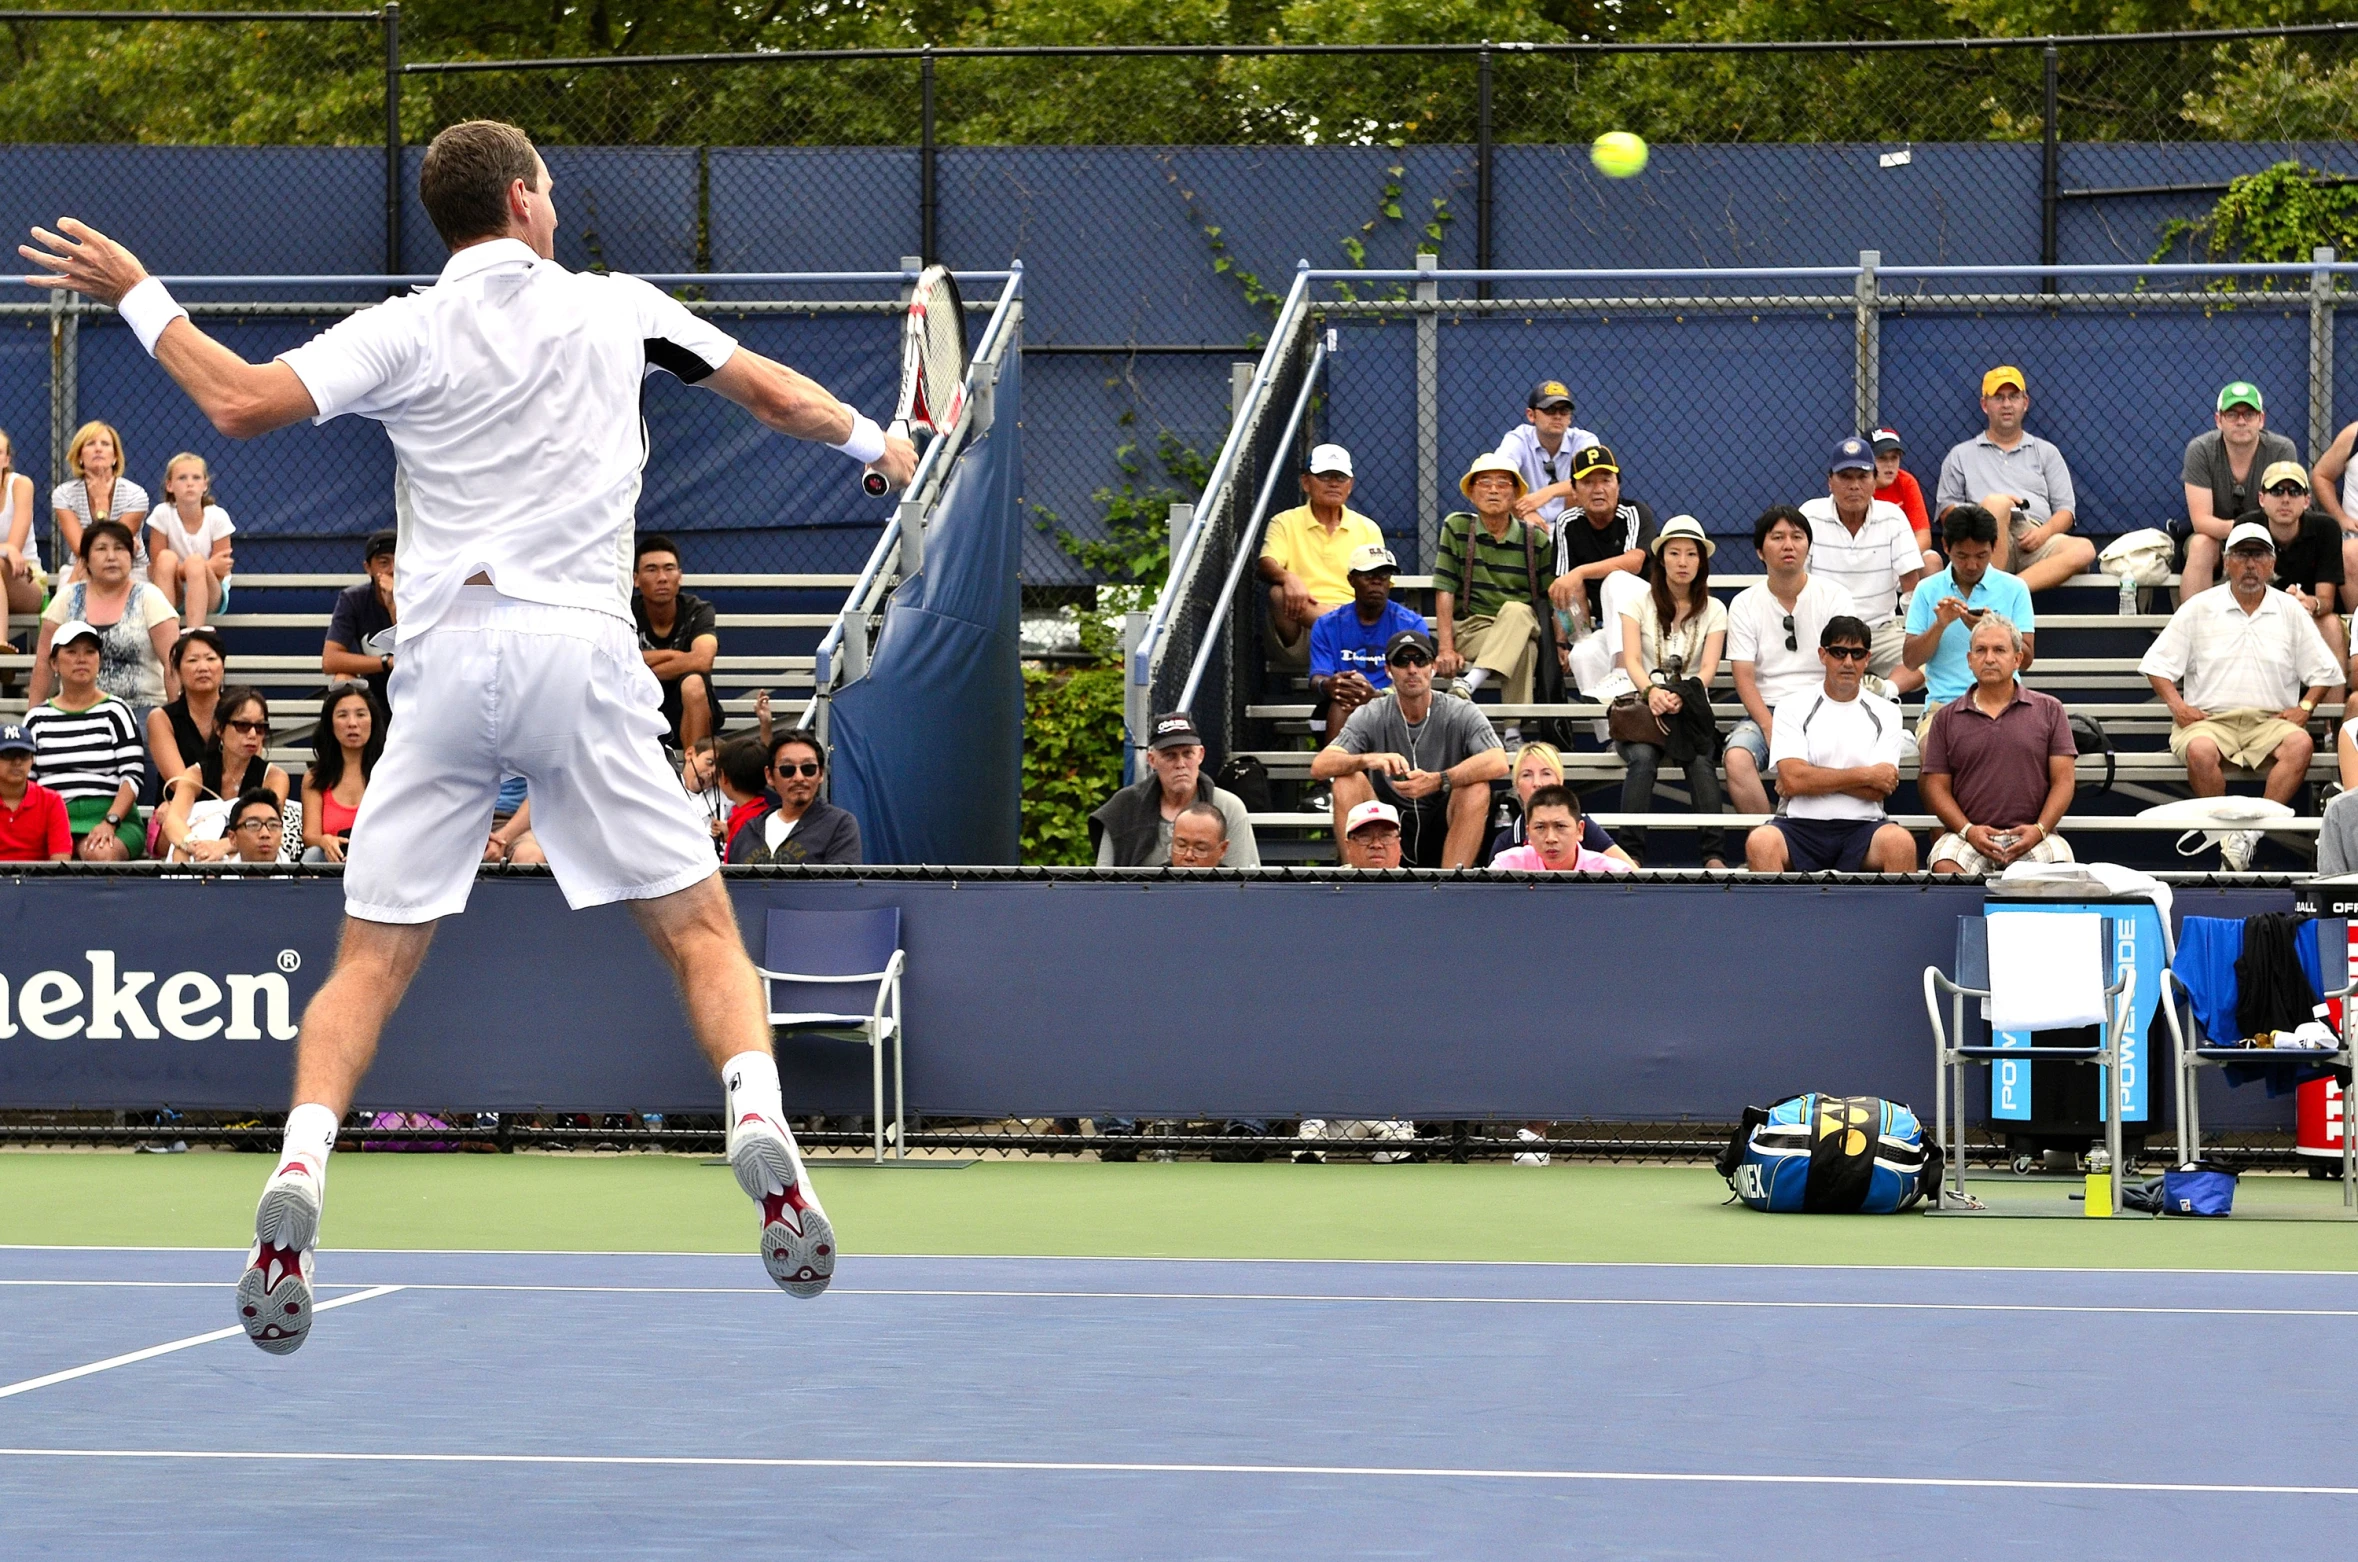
column 510, row 390
column 1867, row 563
column 2225, row 659
column 1818, row 729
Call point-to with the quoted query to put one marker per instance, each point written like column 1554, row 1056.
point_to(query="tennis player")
column 510, row 390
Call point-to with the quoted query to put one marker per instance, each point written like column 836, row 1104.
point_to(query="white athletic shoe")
column 1529, row 1157
column 797, row 1243
column 274, row 1293
column 1393, row 1129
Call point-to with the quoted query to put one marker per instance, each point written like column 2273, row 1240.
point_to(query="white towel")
column 2046, row 969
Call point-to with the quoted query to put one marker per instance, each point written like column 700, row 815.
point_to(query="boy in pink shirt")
column 1551, row 822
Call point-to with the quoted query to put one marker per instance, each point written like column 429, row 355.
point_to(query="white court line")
column 169, row 1346
column 1111, row 1467
column 1287, row 1296
column 1153, row 1258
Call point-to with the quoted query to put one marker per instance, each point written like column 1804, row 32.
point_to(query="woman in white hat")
column 1671, row 652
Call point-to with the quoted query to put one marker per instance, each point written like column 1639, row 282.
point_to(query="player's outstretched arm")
column 795, row 404
column 242, row 399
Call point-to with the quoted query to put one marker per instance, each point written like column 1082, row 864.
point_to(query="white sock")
column 752, row 1081
column 1474, row 677
column 311, row 1133
column 1511, row 735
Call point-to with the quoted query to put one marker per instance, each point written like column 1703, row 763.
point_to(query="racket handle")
column 873, row 482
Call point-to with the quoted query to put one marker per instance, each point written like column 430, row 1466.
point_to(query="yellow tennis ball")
column 1619, row 154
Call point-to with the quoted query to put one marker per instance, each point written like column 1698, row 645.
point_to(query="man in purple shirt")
column 1997, row 764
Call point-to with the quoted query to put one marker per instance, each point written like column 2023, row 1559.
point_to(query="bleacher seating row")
column 2086, row 658
column 275, row 647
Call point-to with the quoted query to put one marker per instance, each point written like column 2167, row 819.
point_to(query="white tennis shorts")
column 557, row 695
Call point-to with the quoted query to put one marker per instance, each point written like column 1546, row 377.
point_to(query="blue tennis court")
column 596, row 1405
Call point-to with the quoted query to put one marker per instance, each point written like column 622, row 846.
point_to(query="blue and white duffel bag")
column 1831, row 1155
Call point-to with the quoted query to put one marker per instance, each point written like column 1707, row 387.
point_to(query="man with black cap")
column 359, row 638
column 33, row 825
column 1306, row 552
column 1600, row 534
column 1133, row 829
column 1433, row 760
column 1542, row 447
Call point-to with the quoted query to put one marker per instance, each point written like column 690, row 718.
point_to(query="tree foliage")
column 315, row 83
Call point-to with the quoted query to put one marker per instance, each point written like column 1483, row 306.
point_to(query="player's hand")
column 898, row 463
column 1417, row 783
column 84, row 259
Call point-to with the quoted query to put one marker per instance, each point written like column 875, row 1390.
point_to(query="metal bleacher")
column 769, row 626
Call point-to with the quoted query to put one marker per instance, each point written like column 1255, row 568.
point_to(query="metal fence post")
column 1428, row 413
column 926, row 198
column 1182, row 521
column 1482, row 168
column 65, row 351
column 1136, row 692
column 2050, row 169
column 392, row 24
column 1869, row 376
column 2321, row 429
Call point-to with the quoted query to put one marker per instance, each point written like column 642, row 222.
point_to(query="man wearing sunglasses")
column 1432, row 761
column 802, row 827
column 1836, row 753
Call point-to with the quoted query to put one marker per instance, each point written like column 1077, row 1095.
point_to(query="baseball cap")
column 1174, row 730
column 378, row 542
column 1548, row 393
column 1596, row 458
column 1406, row 638
column 14, row 739
column 1885, row 438
column 2284, row 472
column 1371, row 557
column 2252, row 532
column 71, row 630
column 1329, row 458
column 2003, row 374
column 2241, row 393
column 1688, row 527
column 1851, row 455
column 1370, row 812
column 1493, row 461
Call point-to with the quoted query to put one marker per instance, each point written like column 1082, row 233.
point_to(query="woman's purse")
column 1631, row 719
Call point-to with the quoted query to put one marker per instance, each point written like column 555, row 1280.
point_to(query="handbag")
column 1631, row 719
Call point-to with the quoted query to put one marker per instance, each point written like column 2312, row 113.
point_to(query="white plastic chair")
column 817, row 966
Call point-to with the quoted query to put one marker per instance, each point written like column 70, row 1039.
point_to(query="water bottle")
column 2128, row 596
column 2099, row 1195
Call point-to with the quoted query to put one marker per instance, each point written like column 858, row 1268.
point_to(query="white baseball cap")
column 2250, row 531
column 1371, row 812
column 1329, row 458
column 1370, row 557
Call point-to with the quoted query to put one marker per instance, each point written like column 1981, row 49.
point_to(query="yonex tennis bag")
column 1830, row 1155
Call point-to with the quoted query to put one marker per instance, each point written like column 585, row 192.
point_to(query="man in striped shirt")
column 1482, row 585
column 86, row 750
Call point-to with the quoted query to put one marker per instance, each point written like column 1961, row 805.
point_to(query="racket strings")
column 944, row 353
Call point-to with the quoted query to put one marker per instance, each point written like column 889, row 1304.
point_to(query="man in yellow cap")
column 2023, row 481
column 1483, row 584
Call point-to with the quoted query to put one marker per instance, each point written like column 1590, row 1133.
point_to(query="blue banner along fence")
column 1035, row 995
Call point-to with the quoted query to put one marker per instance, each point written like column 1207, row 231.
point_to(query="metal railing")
column 900, row 551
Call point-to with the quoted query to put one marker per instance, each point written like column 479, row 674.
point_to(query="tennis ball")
column 1619, row 154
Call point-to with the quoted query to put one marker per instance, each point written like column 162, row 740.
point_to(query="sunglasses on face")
column 809, row 767
column 2288, row 491
column 1847, row 653
column 248, row 726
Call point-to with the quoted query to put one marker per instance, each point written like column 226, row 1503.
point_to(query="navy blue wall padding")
column 1054, row 998
column 828, row 943
column 929, row 745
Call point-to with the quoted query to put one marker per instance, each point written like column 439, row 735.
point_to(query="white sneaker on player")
column 274, row 1293
column 797, row 1243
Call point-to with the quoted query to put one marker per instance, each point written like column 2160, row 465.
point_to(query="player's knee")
column 1764, row 849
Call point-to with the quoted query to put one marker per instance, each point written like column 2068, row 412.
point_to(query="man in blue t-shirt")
column 1949, row 602
column 1347, row 644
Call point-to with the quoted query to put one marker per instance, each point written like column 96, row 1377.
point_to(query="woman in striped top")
column 98, row 491
column 86, row 749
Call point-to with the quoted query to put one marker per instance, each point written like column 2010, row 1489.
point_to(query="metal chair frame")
column 882, row 1023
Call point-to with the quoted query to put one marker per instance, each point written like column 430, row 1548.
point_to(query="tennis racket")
column 933, row 364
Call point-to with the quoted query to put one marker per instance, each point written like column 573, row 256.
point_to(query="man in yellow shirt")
column 1306, row 554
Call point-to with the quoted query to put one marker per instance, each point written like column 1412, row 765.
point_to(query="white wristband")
column 147, row 309
column 866, row 444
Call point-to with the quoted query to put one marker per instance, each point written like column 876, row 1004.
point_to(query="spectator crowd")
column 137, row 741
column 1887, row 639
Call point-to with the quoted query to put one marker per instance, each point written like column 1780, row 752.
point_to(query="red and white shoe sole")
column 274, row 1298
column 797, row 1243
